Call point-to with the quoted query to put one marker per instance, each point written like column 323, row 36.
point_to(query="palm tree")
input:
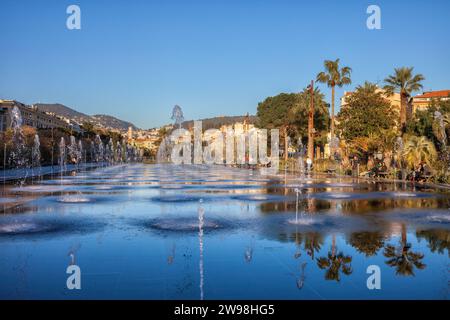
column 417, row 150
column 405, row 82
column 334, row 76
column 335, row 263
column 402, row 258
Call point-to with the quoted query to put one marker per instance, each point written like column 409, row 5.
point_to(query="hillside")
column 113, row 122
column 217, row 122
column 64, row 111
column 99, row 120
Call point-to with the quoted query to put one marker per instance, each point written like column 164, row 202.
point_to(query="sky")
column 136, row 59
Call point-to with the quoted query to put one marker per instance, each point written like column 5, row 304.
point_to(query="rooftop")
column 435, row 94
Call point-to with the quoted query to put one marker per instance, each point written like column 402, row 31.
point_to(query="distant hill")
column 99, row 120
column 62, row 110
column 217, row 122
column 113, row 122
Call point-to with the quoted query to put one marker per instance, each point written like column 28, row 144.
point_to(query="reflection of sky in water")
column 136, row 230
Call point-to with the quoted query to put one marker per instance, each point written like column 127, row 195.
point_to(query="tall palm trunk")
column 403, row 102
column 332, row 111
column 404, row 239
column 333, row 246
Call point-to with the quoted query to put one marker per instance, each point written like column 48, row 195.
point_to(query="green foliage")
column 441, row 172
column 275, row 112
column 403, row 81
column 290, row 111
column 367, row 113
column 424, row 124
column 88, row 127
column 418, row 150
column 333, row 75
column 421, row 124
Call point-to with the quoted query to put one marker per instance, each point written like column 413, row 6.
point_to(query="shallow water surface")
column 200, row 232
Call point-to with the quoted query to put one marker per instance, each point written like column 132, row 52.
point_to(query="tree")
column 405, row 83
column 367, row 112
column 275, row 112
column 334, row 76
column 421, row 124
column 289, row 112
column 88, row 126
column 300, row 114
column 418, row 150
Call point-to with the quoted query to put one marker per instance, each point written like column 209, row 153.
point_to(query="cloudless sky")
column 136, row 59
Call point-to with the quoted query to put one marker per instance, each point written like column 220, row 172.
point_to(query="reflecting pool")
column 212, row 232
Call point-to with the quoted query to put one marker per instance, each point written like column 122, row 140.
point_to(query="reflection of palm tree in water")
column 313, row 243
column 368, row 243
column 402, row 258
column 438, row 240
column 298, row 241
column 335, row 263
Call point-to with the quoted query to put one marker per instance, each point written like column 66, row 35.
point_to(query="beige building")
column 418, row 102
column 130, row 134
column 31, row 117
column 422, row 101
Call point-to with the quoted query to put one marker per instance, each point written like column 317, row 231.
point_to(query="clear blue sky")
column 137, row 59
